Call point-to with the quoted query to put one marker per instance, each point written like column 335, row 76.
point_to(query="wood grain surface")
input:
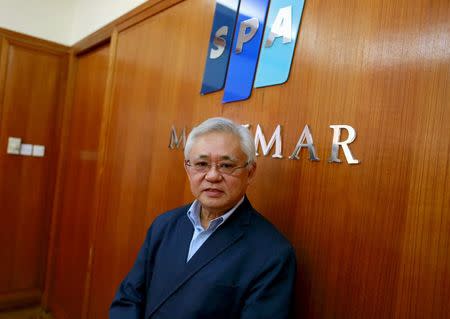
column 75, row 214
column 372, row 239
column 32, row 79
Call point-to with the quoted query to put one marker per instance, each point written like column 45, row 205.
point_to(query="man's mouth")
column 213, row 192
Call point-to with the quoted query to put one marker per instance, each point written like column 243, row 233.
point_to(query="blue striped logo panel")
column 245, row 50
column 219, row 45
column 280, row 36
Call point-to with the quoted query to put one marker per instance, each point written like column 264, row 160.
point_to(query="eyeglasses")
column 202, row 167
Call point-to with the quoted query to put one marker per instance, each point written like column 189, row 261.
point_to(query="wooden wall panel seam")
column 56, row 158
column 102, row 155
column 3, row 72
column 59, row 175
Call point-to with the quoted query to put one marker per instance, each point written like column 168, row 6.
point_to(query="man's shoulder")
column 265, row 233
column 171, row 215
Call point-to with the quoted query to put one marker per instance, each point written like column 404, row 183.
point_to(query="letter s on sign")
column 219, row 42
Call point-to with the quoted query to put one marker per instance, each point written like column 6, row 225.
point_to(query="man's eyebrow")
column 227, row 158
column 222, row 158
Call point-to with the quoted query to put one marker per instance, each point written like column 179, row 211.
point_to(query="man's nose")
column 213, row 174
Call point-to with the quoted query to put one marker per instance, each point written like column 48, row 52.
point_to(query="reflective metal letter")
column 276, row 138
column 344, row 144
column 243, row 36
column 306, row 134
column 175, row 141
column 219, row 42
column 282, row 27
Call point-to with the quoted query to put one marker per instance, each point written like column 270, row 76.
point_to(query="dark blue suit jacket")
column 246, row 270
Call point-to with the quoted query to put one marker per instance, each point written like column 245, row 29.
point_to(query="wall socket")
column 16, row 147
column 14, row 144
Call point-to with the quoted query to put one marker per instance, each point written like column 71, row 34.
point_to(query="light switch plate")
column 38, row 150
column 26, row 149
column 14, row 145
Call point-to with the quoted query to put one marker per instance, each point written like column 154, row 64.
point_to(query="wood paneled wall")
column 32, row 84
column 372, row 240
column 74, row 215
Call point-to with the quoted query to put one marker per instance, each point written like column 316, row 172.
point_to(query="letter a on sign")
column 219, row 45
column 279, row 40
column 245, row 50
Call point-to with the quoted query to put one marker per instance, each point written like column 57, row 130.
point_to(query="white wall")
column 91, row 15
column 45, row 19
column 62, row 21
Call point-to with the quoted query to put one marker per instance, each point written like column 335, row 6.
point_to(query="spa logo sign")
column 251, row 45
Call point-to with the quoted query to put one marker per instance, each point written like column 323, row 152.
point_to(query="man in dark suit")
column 216, row 258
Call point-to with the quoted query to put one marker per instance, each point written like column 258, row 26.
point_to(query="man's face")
column 218, row 191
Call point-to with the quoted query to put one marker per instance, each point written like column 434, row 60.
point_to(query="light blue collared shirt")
column 200, row 234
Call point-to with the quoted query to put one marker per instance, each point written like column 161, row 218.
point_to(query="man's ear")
column 251, row 172
column 186, row 169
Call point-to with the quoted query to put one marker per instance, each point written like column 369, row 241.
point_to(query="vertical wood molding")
column 102, row 156
column 59, row 128
column 3, row 69
column 65, row 125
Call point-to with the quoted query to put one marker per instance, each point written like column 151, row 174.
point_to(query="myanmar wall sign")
column 251, row 45
column 305, row 141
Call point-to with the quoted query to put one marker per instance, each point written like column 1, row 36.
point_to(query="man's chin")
column 213, row 204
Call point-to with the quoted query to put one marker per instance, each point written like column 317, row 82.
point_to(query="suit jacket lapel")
column 180, row 244
column 172, row 259
column 224, row 237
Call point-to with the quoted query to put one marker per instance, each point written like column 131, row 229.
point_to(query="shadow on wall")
column 303, row 284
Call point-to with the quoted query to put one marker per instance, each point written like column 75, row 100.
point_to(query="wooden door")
column 32, row 82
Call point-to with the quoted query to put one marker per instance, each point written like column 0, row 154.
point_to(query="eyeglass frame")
column 209, row 166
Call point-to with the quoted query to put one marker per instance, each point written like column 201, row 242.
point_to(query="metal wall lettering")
column 282, row 27
column 306, row 135
column 260, row 139
column 305, row 140
column 344, row 144
column 219, row 45
column 246, row 32
column 176, row 141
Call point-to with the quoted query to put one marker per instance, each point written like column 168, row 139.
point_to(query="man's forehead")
column 218, row 145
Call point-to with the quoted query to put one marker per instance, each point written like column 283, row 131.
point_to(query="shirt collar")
column 193, row 214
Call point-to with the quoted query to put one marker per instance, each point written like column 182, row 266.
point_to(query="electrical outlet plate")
column 14, row 144
column 38, row 150
column 25, row 149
